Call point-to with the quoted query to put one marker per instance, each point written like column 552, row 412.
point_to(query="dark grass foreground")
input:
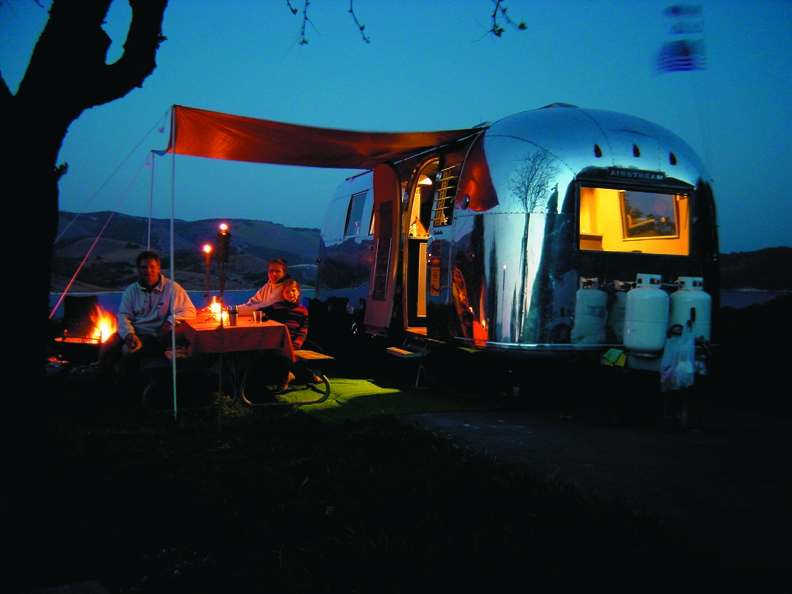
column 276, row 501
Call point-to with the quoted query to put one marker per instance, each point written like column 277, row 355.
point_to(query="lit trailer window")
column 649, row 221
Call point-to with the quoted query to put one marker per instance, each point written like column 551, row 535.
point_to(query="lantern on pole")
column 207, row 250
column 223, row 256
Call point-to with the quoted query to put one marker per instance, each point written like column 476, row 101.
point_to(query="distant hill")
column 255, row 243
column 769, row 269
column 111, row 265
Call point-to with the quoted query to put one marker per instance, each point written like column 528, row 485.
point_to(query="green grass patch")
column 359, row 399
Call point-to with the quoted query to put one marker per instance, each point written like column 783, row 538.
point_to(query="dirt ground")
column 728, row 485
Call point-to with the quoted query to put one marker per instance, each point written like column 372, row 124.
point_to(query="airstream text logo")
column 636, row 174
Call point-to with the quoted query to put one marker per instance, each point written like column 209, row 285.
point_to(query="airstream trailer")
column 524, row 236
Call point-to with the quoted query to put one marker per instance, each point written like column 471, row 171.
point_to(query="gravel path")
column 729, row 485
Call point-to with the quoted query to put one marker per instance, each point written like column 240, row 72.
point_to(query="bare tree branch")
column 305, row 20
column 500, row 11
column 357, row 22
column 497, row 30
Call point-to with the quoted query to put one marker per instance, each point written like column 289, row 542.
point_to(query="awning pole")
column 151, row 200
column 172, row 259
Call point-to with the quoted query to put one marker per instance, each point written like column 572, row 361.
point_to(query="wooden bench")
column 316, row 362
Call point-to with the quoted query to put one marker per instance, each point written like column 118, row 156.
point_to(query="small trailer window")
column 355, row 214
column 632, row 221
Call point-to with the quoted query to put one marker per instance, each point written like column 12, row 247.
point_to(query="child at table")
column 295, row 317
column 289, row 312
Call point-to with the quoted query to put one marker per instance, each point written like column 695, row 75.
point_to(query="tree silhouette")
column 67, row 74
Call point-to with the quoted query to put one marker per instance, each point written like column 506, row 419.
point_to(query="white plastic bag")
column 678, row 366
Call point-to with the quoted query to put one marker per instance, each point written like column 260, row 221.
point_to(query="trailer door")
column 379, row 305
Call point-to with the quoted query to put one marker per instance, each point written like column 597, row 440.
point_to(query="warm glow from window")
column 630, row 221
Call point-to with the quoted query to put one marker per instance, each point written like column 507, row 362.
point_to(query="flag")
column 681, row 56
column 683, row 10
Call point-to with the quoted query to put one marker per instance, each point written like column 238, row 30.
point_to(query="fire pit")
column 86, row 327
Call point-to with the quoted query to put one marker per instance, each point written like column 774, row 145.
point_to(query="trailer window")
column 355, row 214
column 631, row 221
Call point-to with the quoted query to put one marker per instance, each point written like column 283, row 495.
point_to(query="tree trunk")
column 67, row 74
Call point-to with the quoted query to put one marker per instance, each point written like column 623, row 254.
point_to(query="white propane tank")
column 591, row 312
column 691, row 295
column 618, row 308
column 646, row 315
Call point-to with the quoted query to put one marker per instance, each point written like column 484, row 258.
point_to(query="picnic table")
column 249, row 336
column 241, row 342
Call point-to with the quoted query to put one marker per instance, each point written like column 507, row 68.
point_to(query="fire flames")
column 105, row 323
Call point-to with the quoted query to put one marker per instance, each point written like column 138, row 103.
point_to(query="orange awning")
column 214, row 135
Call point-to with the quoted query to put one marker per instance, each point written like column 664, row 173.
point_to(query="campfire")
column 86, row 326
column 105, row 323
column 101, row 326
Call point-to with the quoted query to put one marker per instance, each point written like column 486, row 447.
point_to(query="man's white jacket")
column 144, row 312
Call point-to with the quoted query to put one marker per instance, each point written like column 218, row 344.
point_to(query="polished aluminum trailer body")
column 493, row 240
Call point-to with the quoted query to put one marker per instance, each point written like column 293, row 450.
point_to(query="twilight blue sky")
column 428, row 68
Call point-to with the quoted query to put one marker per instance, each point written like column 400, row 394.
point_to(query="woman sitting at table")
column 294, row 316
column 270, row 293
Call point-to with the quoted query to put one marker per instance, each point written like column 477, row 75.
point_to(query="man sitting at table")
column 148, row 310
column 272, row 292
